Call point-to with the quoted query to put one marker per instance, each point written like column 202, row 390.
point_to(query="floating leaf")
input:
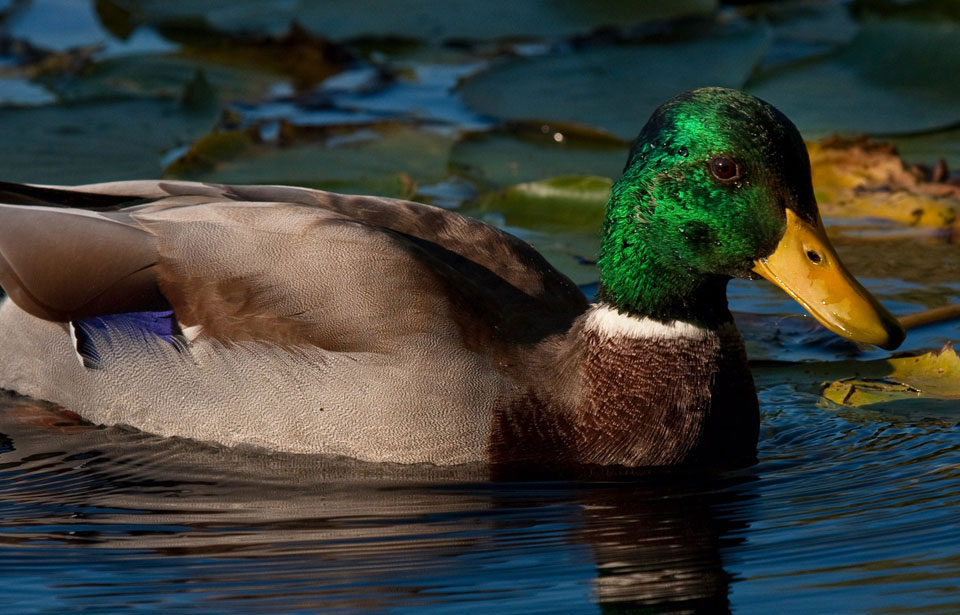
column 161, row 75
column 895, row 77
column 923, row 385
column 574, row 202
column 570, row 251
column 536, row 152
column 860, row 178
column 389, row 160
column 72, row 144
column 433, row 20
column 614, row 87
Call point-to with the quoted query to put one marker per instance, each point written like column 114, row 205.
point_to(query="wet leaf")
column 573, row 202
column 572, row 252
column 892, row 78
column 614, row 87
column 60, row 144
column 863, row 179
column 927, row 382
column 389, row 160
column 161, row 75
column 539, row 151
column 434, row 20
column 923, row 385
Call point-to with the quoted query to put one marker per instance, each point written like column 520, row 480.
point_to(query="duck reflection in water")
column 147, row 516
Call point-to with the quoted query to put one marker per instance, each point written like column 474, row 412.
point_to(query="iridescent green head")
column 713, row 183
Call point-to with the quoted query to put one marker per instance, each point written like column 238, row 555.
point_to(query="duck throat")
column 654, row 393
column 641, row 287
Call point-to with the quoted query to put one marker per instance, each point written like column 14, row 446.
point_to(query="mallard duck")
column 392, row 331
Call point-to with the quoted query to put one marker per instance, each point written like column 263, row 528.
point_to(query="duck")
column 390, row 331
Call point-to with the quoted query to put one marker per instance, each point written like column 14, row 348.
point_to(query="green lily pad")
column 893, row 78
column 522, row 154
column 84, row 143
column 160, row 75
column 388, row 160
column 433, row 20
column 560, row 203
column 614, row 87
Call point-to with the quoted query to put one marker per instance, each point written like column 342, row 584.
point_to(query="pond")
column 852, row 506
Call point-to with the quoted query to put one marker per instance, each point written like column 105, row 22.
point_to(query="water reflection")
column 112, row 517
column 847, row 508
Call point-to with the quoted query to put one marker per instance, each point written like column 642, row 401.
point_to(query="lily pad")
column 520, row 154
column 863, row 179
column 893, row 78
column 388, row 160
column 931, row 381
column 614, row 87
column 160, row 75
column 74, row 144
column 434, row 20
column 915, row 386
column 574, row 203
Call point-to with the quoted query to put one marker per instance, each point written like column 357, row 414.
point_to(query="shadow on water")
column 104, row 518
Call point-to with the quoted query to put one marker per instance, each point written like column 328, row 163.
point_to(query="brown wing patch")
column 61, row 264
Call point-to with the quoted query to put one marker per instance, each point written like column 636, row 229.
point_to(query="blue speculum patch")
column 90, row 333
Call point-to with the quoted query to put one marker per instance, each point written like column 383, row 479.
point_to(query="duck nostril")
column 814, row 257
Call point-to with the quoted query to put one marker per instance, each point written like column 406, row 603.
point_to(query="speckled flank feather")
column 298, row 399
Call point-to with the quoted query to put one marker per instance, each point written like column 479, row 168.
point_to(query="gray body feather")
column 377, row 329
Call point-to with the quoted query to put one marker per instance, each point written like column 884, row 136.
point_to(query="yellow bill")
column 805, row 265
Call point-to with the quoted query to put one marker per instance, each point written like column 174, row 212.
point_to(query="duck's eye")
column 724, row 168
